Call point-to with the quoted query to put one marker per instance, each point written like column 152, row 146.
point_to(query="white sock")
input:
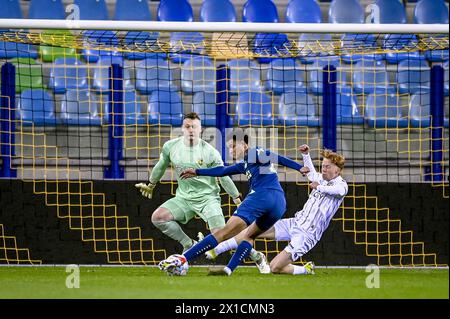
column 299, row 270
column 254, row 255
column 227, row 270
column 226, row 246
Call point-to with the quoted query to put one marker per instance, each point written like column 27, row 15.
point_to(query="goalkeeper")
column 197, row 196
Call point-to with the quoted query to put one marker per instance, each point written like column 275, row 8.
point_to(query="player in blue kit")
column 263, row 206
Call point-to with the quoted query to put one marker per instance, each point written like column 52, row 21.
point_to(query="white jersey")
column 322, row 204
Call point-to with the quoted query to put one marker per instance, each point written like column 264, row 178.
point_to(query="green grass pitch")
column 246, row 282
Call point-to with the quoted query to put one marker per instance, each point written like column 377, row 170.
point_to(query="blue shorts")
column 263, row 207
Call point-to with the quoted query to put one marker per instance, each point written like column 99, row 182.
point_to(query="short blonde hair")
column 335, row 158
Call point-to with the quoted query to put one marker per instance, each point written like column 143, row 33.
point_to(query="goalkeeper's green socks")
column 174, row 231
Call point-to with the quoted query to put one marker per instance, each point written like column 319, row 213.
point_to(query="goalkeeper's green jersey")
column 202, row 155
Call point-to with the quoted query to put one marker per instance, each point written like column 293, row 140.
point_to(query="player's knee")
column 275, row 268
column 160, row 216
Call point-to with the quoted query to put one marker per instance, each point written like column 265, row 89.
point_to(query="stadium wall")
column 36, row 226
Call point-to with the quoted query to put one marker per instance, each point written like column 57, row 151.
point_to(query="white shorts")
column 299, row 241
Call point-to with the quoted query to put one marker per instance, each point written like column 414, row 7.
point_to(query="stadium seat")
column 244, row 76
column 204, row 104
column 36, row 107
column 431, row 11
column 419, row 111
column 132, row 10
column 28, row 74
column 391, row 11
column 347, row 112
column 413, row 76
column 397, row 44
column 446, row 80
column 354, row 45
column 51, row 52
column 66, row 74
column 80, row 107
column 217, row 11
column 136, row 10
column 345, row 11
column 385, row 111
column 370, row 76
column 303, row 11
column 254, row 108
column 265, row 45
column 100, row 81
column 46, row 9
column 313, row 46
column 154, row 74
column 298, row 108
column 315, row 76
column 99, row 38
column 10, row 9
column 10, row 50
column 180, row 10
column 92, row 10
column 133, row 109
column 165, row 108
column 284, row 75
column 198, row 74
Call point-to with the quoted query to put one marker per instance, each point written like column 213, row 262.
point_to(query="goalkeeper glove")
column 237, row 201
column 146, row 189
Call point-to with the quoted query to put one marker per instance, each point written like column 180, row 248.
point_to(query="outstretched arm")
column 225, row 181
column 218, row 171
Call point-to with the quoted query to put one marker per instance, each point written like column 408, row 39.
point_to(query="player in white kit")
column 306, row 228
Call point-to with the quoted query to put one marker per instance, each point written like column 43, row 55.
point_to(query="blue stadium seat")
column 431, row 12
column 254, row 108
column 358, row 44
column 92, row 10
column 217, row 11
column 284, row 75
column 298, row 108
column 347, row 112
column 245, row 76
column 165, row 108
column 132, row 10
column 133, row 107
column 66, row 74
column 419, row 111
column 198, row 74
column 401, row 42
column 10, row 9
column 136, row 10
column 312, row 46
column 345, row 11
column 80, row 107
column 10, row 50
column 175, row 10
column 446, row 80
column 385, row 111
column 101, row 77
column 391, row 11
column 413, row 76
column 102, row 38
column 204, row 104
column 265, row 44
column 36, row 107
column 315, row 76
column 303, row 11
column 152, row 75
column 46, row 9
column 370, row 76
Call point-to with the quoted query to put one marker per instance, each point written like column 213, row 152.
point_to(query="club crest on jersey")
column 200, row 162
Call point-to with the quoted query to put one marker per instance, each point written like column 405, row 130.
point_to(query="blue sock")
column 242, row 251
column 208, row 243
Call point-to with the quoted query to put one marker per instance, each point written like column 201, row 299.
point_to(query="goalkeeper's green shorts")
column 184, row 210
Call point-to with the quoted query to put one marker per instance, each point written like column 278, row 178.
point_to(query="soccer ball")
column 181, row 265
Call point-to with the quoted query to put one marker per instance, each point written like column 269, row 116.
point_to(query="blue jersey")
column 258, row 166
